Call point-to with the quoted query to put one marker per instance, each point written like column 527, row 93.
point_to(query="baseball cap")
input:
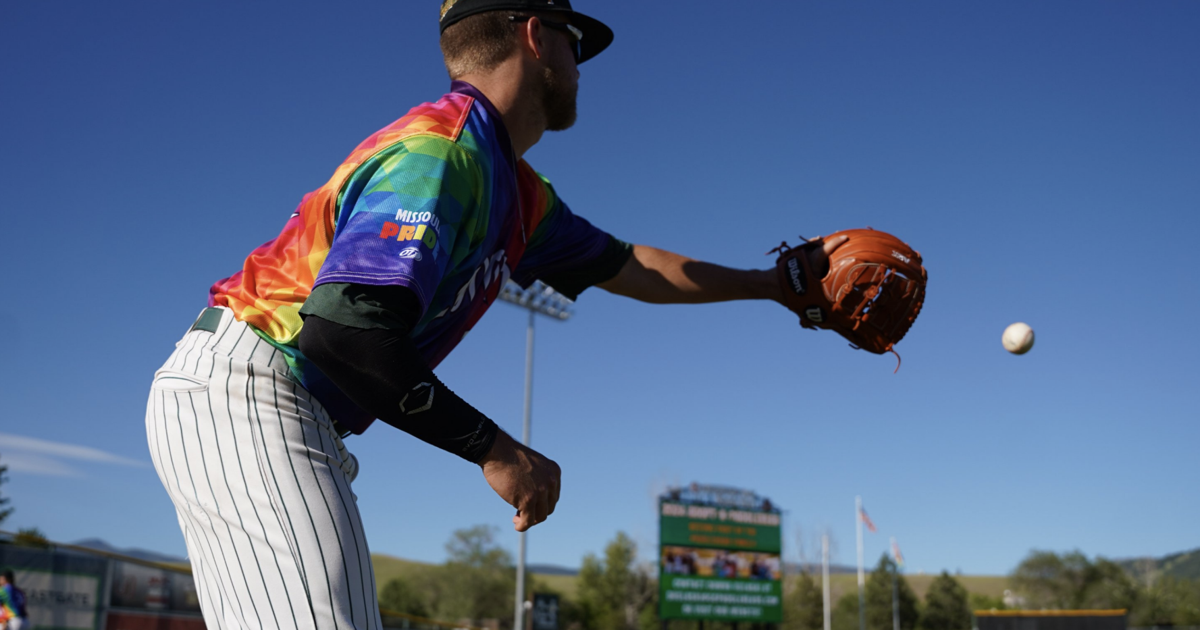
column 596, row 35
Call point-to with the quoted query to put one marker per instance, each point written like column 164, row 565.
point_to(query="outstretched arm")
column 661, row 277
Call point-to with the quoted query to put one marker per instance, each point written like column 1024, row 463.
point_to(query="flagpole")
column 895, row 598
column 825, row 580
column 862, row 605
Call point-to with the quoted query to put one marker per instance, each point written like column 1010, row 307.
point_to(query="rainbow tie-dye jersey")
column 12, row 603
column 432, row 202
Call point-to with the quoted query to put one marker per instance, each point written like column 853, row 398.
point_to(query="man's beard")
column 558, row 99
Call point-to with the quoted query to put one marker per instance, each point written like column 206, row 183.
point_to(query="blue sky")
column 1043, row 156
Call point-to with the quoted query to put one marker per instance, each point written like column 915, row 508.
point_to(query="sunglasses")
column 574, row 34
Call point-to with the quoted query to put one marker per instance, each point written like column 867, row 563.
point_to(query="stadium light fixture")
column 538, row 298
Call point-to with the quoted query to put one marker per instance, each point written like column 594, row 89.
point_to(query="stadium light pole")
column 862, row 605
column 825, row 581
column 537, row 299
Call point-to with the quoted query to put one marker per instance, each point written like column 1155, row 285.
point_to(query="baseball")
column 1018, row 338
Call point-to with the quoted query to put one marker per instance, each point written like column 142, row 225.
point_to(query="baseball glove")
column 870, row 294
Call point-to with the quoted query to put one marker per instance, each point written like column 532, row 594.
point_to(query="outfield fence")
column 75, row 588
column 393, row 620
column 78, row 588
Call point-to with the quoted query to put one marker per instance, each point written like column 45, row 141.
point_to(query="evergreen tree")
column 804, row 608
column 613, row 594
column 845, row 612
column 879, row 598
column 399, row 595
column 946, row 606
column 31, row 537
column 4, row 512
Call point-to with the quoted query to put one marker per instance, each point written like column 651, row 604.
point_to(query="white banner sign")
column 55, row 600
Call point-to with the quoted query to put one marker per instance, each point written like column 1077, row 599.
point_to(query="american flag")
column 862, row 513
column 897, row 554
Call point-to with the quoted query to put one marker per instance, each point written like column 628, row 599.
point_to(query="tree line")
column 475, row 586
column 1044, row 580
column 947, row 605
column 1071, row 581
column 616, row 592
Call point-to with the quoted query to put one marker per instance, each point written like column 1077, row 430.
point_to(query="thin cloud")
column 34, row 464
column 33, row 455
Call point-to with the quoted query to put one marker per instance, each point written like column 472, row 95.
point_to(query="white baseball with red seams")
column 1018, row 338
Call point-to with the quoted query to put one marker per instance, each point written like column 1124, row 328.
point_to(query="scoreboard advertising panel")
column 719, row 562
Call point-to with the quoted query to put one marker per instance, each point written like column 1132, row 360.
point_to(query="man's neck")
column 509, row 90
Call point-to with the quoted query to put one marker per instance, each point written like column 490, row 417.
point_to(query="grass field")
column 388, row 567
column 991, row 585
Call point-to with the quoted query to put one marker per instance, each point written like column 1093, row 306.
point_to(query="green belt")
column 208, row 320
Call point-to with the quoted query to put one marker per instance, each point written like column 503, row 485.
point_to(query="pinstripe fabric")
column 261, row 487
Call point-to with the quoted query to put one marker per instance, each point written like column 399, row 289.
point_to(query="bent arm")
column 661, row 277
column 382, row 371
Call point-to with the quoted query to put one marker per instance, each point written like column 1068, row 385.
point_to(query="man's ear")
column 531, row 37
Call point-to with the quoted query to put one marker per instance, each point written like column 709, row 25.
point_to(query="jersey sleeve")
column 566, row 251
column 400, row 215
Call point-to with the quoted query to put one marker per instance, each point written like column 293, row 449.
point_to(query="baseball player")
column 374, row 279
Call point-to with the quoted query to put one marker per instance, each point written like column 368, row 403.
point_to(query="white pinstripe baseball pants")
column 261, row 486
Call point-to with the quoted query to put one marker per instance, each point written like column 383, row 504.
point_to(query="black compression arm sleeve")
column 382, row 372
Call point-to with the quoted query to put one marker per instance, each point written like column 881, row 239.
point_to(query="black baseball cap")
column 596, row 35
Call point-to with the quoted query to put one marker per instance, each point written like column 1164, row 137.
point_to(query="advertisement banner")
column 149, row 588
column 720, row 561
column 708, row 526
column 720, row 599
column 720, row 584
column 60, row 600
column 70, row 590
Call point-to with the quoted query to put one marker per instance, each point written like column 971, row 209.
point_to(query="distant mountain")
column 1185, row 565
column 140, row 554
column 550, row 569
column 813, row 568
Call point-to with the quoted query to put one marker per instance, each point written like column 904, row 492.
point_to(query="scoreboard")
column 719, row 562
